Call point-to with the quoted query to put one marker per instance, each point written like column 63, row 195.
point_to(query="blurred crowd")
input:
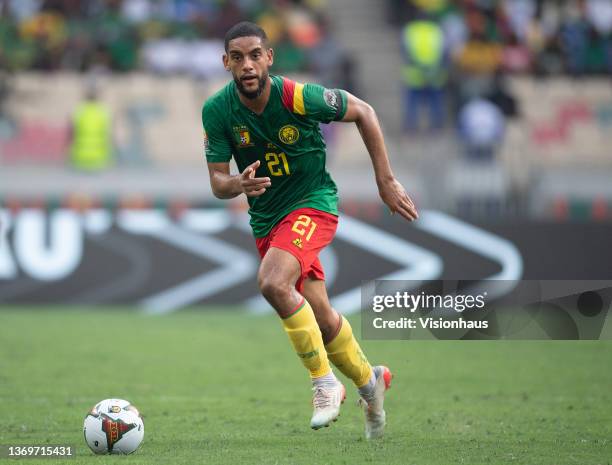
column 457, row 55
column 164, row 36
column 539, row 36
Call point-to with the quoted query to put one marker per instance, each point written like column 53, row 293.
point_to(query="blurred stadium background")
column 498, row 118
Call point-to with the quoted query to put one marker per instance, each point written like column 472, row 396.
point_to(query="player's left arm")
column 390, row 189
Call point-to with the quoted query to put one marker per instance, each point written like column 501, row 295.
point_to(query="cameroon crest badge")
column 242, row 136
column 288, row 134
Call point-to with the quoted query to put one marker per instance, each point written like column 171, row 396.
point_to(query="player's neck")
column 257, row 105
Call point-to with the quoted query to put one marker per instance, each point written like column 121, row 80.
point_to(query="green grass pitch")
column 224, row 387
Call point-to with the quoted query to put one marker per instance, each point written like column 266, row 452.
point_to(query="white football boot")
column 326, row 402
column 375, row 417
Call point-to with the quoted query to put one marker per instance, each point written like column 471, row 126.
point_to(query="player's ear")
column 270, row 54
column 226, row 62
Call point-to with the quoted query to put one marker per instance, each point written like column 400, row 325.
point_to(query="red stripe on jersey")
column 288, row 89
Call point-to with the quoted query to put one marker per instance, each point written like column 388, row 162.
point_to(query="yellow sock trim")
column 305, row 336
column 344, row 352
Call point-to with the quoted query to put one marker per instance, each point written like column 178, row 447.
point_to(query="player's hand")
column 395, row 197
column 250, row 185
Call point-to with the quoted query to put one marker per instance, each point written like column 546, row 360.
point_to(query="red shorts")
column 303, row 233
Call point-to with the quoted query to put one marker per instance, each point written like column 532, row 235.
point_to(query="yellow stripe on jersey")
column 298, row 99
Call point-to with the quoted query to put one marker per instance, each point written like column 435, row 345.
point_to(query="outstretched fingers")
column 252, row 186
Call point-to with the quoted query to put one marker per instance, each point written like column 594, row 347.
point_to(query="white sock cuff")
column 326, row 380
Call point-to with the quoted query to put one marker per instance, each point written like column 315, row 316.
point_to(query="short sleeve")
column 314, row 101
column 324, row 105
column 217, row 147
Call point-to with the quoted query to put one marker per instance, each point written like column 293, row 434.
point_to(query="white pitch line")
column 419, row 264
column 481, row 242
column 235, row 265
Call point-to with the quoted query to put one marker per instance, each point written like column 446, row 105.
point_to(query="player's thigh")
column 278, row 268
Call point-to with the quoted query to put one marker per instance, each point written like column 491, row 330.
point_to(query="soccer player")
column 270, row 125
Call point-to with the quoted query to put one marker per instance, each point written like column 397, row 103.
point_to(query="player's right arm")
column 226, row 186
column 218, row 151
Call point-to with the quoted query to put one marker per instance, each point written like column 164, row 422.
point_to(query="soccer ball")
column 113, row 426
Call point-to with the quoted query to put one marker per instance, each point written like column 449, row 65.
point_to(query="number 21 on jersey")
column 278, row 164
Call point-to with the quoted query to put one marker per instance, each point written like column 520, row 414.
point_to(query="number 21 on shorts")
column 304, row 225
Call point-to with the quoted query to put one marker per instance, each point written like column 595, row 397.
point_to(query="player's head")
column 248, row 57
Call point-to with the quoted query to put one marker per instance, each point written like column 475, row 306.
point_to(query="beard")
column 251, row 95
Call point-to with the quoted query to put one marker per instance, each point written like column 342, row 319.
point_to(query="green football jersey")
column 287, row 140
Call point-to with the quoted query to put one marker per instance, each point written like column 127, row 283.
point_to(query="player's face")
column 248, row 59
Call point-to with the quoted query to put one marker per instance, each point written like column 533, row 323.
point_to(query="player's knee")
column 272, row 288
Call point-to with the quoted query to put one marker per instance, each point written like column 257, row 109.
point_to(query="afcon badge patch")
column 289, row 134
column 331, row 98
column 205, row 141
